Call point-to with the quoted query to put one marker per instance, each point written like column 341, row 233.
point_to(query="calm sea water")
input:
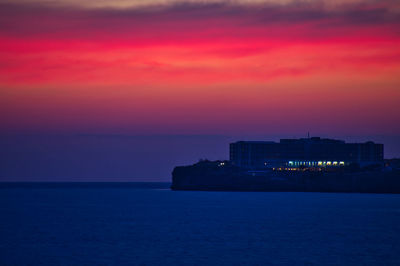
column 147, row 224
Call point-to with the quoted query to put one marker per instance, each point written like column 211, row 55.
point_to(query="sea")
column 148, row 224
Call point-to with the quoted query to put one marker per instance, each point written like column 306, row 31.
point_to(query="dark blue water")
column 146, row 224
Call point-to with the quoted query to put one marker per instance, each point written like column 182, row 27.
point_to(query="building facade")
column 306, row 152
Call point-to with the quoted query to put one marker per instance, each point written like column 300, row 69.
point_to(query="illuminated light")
column 341, row 163
column 265, row 163
column 335, row 163
column 324, row 162
column 329, row 163
column 319, row 163
column 290, row 162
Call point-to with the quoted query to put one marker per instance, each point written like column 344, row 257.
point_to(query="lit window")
column 319, row 163
column 328, row 163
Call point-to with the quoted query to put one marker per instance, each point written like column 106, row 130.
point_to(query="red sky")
column 200, row 67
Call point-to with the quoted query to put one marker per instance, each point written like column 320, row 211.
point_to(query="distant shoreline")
column 85, row 184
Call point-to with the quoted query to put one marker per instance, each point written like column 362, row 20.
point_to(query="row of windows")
column 316, row 163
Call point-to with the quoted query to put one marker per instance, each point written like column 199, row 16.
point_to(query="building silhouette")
column 312, row 152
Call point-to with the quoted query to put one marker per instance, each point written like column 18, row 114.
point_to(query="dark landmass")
column 222, row 176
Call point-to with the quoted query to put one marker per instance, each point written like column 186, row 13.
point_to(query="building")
column 306, row 152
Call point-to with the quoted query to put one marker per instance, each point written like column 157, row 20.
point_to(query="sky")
column 199, row 68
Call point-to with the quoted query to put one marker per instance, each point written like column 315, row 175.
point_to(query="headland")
column 298, row 165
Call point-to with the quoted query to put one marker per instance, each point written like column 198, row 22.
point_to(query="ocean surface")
column 147, row 224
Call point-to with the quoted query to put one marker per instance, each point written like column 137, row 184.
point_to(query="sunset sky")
column 200, row 67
